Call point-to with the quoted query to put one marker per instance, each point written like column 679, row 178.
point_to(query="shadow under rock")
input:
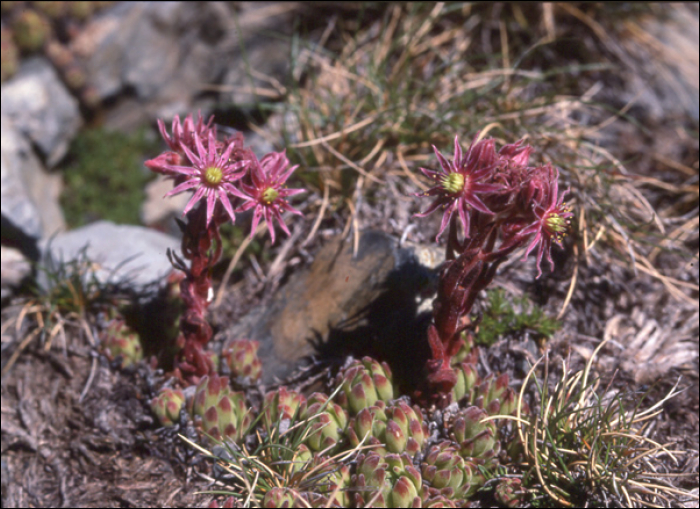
column 346, row 303
column 390, row 328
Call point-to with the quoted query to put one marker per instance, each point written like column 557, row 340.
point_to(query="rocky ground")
column 77, row 430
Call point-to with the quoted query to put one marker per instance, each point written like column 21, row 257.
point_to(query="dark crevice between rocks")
column 390, row 329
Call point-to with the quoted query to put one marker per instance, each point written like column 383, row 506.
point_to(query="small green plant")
column 584, row 442
column 501, row 319
column 104, row 177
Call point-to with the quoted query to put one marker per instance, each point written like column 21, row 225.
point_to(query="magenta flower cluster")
column 224, row 178
column 494, row 203
column 225, row 171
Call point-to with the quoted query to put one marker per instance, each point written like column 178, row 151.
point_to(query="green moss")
column 500, row 318
column 105, row 178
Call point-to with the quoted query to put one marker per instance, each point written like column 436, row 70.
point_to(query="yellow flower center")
column 453, row 183
column 557, row 226
column 270, row 194
column 213, row 175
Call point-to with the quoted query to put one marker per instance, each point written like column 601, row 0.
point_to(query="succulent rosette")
column 241, row 358
column 510, row 492
column 365, row 382
column 220, row 412
column 121, row 342
column 388, row 480
column 283, row 497
column 448, row 474
column 399, row 428
column 280, row 407
column 477, row 439
column 328, row 422
column 167, row 405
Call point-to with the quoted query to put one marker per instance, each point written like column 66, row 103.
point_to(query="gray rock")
column 15, row 267
column 41, row 108
column 30, row 208
column 343, row 305
column 161, row 52
column 257, row 57
column 118, row 254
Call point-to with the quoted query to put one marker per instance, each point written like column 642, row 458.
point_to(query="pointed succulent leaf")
column 439, row 502
column 396, row 439
column 467, row 380
column 482, row 446
column 404, row 493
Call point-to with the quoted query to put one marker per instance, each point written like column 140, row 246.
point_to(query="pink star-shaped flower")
column 461, row 181
column 551, row 223
column 211, row 174
column 267, row 193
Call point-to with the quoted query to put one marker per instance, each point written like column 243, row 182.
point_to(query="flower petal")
column 195, row 198
column 446, row 168
column 211, row 201
column 256, row 219
column 188, row 184
column 227, row 205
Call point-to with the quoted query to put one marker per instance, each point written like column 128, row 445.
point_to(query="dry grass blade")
column 321, row 212
column 338, row 134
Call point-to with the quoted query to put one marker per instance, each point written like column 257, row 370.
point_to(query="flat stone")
column 131, row 255
column 345, row 304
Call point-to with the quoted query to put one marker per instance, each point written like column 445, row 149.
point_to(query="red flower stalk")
column 502, row 205
column 213, row 169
